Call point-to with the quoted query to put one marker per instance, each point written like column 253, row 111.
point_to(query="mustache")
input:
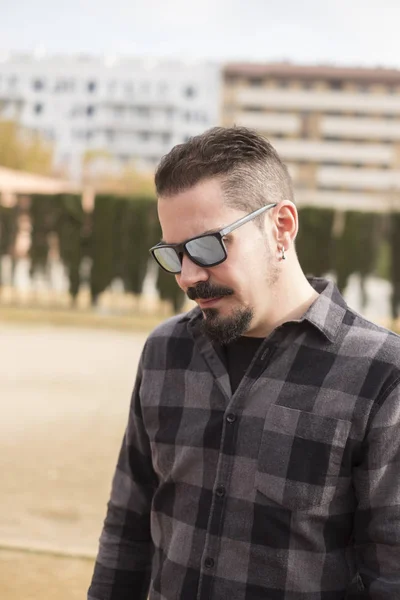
column 205, row 291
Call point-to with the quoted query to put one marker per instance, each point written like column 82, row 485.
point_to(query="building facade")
column 337, row 129
column 131, row 109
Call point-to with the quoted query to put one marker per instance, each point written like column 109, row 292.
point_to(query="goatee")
column 226, row 330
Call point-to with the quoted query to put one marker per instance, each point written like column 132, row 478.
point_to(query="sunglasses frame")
column 181, row 249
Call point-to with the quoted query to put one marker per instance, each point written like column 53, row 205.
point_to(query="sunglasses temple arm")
column 245, row 219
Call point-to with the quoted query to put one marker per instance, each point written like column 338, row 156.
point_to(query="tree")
column 8, row 230
column 70, row 232
column 105, row 174
column 24, row 150
column 395, row 263
column 314, row 243
column 357, row 248
column 102, row 245
column 44, row 216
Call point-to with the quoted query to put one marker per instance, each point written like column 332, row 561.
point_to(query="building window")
column 230, row 79
column 38, row 108
column 129, row 87
column 336, row 84
column 64, row 85
column 257, row 109
column 90, row 111
column 255, row 81
column 144, row 136
column 38, row 85
column 110, row 134
column 189, row 91
column 91, row 86
column 143, row 111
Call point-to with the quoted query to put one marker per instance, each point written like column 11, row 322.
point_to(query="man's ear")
column 286, row 223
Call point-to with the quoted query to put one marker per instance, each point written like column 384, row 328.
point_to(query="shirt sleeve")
column 377, row 518
column 123, row 563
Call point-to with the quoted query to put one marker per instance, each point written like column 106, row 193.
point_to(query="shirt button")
column 209, row 563
column 220, row 491
column 231, row 418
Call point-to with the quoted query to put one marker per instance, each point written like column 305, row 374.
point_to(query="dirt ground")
column 26, row 576
column 64, row 403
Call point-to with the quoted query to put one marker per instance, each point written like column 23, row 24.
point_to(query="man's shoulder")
column 174, row 327
column 371, row 339
column 170, row 343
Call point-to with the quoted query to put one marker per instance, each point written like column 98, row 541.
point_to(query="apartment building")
column 337, row 129
column 134, row 109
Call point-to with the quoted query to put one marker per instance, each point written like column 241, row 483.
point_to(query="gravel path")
column 64, row 403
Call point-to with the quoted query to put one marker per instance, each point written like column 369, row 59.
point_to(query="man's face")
column 234, row 295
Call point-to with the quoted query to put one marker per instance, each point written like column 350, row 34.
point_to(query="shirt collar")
column 328, row 310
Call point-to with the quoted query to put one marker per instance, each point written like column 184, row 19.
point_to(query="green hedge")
column 395, row 262
column 357, row 249
column 8, row 229
column 119, row 232
column 61, row 214
column 314, row 242
column 70, row 228
column 123, row 229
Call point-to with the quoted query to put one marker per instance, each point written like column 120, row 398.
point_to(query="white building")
column 135, row 109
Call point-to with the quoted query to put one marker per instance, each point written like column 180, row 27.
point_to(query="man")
column 262, row 453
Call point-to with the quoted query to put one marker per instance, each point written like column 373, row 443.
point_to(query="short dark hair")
column 250, row 170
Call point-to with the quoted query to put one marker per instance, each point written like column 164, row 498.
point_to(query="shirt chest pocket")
column 300, row 457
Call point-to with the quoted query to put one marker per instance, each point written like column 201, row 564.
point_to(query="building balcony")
column 338, row 152
column 320, row 101
column 352, row 127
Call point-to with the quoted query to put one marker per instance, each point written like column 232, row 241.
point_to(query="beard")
column 223, row 330
column 226, row 330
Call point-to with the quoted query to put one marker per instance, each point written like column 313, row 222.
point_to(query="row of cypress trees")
column 345, row 243
column 116, row 237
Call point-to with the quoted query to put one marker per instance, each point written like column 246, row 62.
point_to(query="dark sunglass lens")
column 168, row 259
column 206, row 250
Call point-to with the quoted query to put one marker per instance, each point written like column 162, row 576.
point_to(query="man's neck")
column 292, row 298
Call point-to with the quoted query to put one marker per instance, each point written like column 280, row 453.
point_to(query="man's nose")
column 191, row 274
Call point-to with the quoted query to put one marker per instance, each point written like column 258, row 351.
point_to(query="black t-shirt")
column 237, row 357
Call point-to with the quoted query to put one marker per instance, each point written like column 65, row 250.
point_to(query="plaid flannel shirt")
column 288, row 489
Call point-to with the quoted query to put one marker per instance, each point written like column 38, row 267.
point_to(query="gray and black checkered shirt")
column 288, row 489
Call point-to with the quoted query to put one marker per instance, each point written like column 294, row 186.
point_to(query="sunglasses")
column 207, row 250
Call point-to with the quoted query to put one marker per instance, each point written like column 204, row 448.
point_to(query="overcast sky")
column 352, row 32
